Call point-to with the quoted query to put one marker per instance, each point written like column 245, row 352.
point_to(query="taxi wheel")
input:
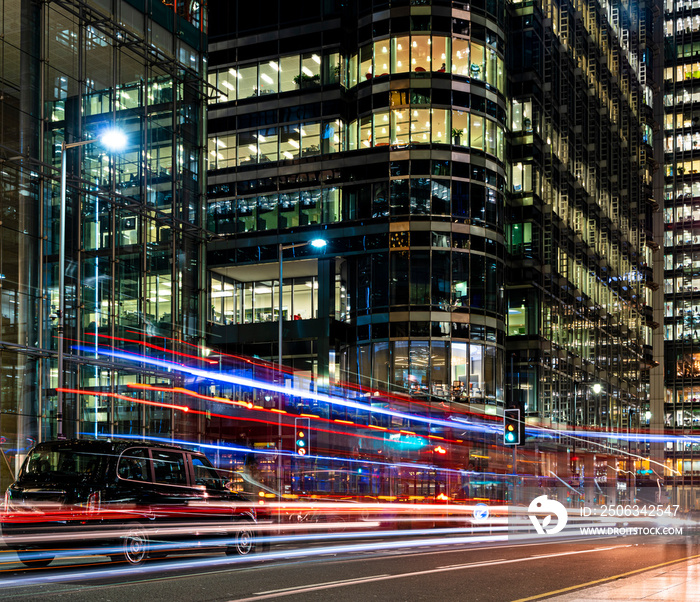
column 135, row 544
column 244, row 542
column 34, row 559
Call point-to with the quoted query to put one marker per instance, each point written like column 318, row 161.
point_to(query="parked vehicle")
column 134, row 498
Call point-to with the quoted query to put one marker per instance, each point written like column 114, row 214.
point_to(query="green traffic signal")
column 302, row 442
column 511, row 427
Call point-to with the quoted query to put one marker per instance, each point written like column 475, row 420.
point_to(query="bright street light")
column 318, row 243
column 114, row 140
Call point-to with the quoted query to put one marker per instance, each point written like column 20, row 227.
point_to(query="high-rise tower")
column 482, row 173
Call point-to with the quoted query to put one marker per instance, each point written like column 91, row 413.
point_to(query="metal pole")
column 280, row 250
column 279, row 315
column 61, row 292
column 575, row 419
column 60, row 413
column 515, row 474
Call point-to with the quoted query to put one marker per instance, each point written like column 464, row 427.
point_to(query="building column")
column 326, row 313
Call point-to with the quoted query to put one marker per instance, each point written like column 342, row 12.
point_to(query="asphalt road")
column 423, row 570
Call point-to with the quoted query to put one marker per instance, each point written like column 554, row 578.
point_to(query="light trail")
column 290, row 391
column 292, row 454
column 250, row 406
column 159, row 568
column 152, row 346
column 323, row 398
column 245, row 419
column 269, row 529
column 125, row 398
column 211, row 562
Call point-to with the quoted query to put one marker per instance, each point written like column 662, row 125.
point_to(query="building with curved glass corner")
column 482, row 173
column 134, row 232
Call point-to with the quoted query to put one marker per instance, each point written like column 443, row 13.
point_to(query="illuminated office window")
column 440, row 60
column 366, row 132
column 248, row 82
column 382, row 58
column 400, row 54
column 460, row 57
column 421, row 54
column 420, row 126
column 440, row 126
column 289, row 73
column 267, row 144
column 366, row 69
column 476, row 140
column 382, row 129
column 269, row 78
column 400, row 126
column 460, row 128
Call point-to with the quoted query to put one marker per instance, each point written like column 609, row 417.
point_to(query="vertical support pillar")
column 326, row 312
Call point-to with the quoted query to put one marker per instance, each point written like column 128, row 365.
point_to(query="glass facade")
column 681, row 212
column 133, row 230
column 405, row 175
column 235, row 302
column 494, row 233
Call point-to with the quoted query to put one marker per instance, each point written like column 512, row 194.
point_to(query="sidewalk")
column 679, row 582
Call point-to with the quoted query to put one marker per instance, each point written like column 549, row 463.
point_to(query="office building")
column 681, row 210
column 133, row 220
column 483, row 175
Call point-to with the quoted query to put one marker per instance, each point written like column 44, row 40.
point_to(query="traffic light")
column 301, row 436
column 512, row 431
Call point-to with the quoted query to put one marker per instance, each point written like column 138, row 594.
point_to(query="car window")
column 64, row 462
column 169, row 467
column 205, row 474
column 133, row 465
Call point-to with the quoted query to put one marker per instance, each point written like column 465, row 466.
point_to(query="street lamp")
column 316, row 243
column 114, row 140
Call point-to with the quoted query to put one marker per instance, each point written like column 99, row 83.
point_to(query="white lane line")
column 471, row 564
column 342, row 582
column 332, row 585
column 583, row 551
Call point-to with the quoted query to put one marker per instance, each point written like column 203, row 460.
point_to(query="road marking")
column 629, row 545
column 332, row 585
column 464, row 566
column 582, row 585
column 343, row 581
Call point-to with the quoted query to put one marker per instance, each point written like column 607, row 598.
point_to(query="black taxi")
column 130, row 500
